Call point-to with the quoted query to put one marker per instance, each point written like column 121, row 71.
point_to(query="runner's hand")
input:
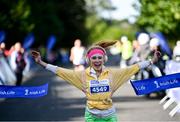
column 156, row 56
column 36, row 55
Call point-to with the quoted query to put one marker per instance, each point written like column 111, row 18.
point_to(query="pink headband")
column 95, row 51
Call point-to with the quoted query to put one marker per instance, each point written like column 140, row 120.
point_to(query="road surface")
column 65, row 103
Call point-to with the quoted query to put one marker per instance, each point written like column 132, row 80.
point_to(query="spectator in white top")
column 77, row 55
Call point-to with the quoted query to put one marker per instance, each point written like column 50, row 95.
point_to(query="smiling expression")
column 97, row 61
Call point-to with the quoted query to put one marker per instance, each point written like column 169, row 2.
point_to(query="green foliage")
column 101, row 29
column 160, row 15
column 15, row 16
column 104, row 29
column 96, row 6
column 65, row 19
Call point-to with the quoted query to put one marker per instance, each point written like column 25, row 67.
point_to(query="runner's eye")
column 96, row 57
column 100, row 57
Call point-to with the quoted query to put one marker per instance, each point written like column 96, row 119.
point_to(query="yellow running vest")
column 98, row 90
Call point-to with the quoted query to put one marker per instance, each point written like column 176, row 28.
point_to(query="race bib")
column 99, row 86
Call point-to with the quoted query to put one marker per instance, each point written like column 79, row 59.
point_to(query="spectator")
column 77, row 55
column 17, row 62
column 172, row 67
column 127, row 51
column 144, row 50
column 176, row 51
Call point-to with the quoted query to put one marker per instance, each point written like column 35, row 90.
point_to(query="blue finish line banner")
column 21, row 91
column 156, row 84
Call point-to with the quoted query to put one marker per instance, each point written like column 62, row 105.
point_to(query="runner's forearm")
column 144, row 64
column 51, row 68
column 42, row 63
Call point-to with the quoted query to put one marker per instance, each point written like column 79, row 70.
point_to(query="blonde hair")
column 101, row 45
column 105, row 44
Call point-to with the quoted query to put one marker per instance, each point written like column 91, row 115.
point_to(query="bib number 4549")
column 99, row 89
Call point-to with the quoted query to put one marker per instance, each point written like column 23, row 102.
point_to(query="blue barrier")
column 22, row 91
column 156, row 84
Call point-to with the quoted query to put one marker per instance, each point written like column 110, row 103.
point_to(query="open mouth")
column 97, row 65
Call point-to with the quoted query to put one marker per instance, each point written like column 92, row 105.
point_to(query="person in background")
column 127, row 51
column 136, row 49
column 172, row 67
column 2, row 56
column 6, row 52
column 114, row 54
column 3, row 49
column 97, row 82
column 176, row 51
column 77, row 55
column 143, row 40
column 18, row 62
column 155, row 46
column 157, row 70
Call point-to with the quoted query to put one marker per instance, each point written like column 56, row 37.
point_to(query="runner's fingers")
column 35, row 54
column 158, row 54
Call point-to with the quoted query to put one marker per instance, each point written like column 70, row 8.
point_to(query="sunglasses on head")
column 97, row 57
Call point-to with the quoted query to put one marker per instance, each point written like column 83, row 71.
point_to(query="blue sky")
column 124, row 10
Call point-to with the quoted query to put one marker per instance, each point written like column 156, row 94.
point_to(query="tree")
column 105, row 29
column 62, row 18
column 65, row 19
column 14, row 19
column 160, row 15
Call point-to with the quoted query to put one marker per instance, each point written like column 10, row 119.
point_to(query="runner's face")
column 97, row 61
